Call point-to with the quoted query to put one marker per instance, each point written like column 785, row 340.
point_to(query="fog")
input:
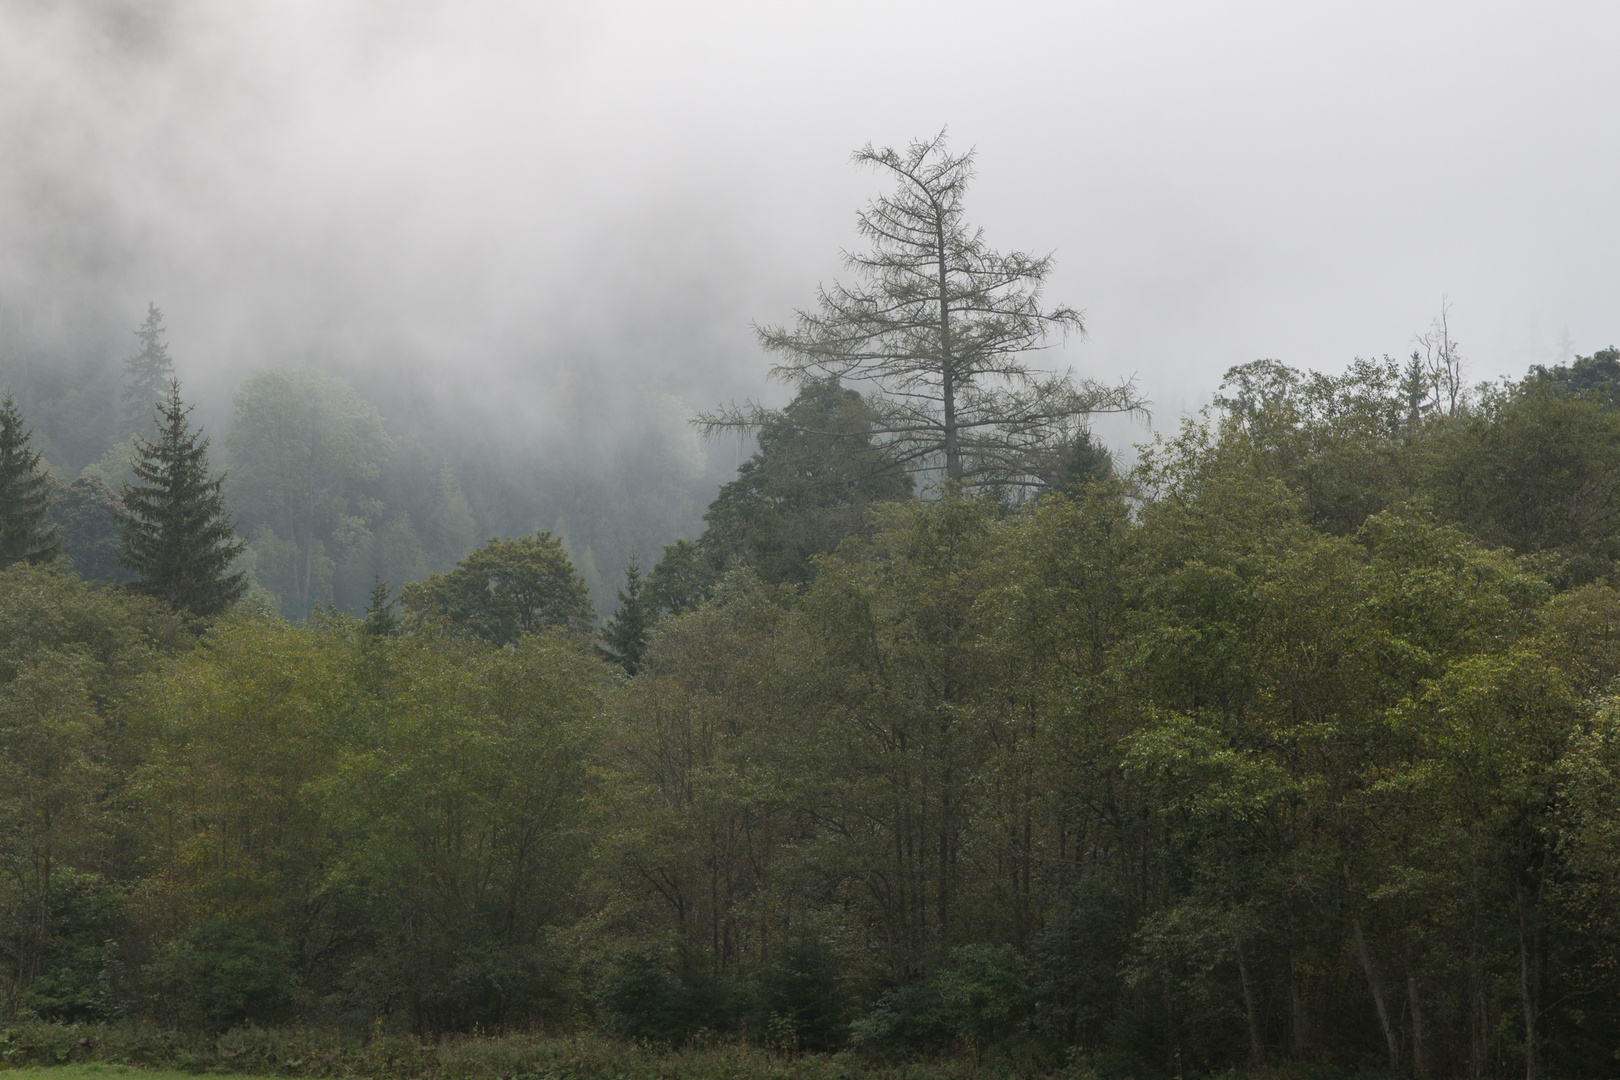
column 514, row 208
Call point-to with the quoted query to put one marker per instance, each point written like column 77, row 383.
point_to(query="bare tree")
column 1443, row 363
column 940, row 325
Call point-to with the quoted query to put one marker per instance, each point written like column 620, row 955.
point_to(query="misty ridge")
column 371, row 194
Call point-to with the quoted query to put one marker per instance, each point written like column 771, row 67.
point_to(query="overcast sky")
column 615, row 190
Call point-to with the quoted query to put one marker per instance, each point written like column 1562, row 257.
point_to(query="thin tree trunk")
column 1371, row 973
column 1377, row 992
column 947, row 365
column 1532, row 1056
column 1414, row 1003
column 1300, row 1034
column 1257, row 1046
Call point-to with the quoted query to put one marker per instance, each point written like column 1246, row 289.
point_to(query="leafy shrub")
column 78, row 960
column 220, row 974
column 642, row 999
column 979, row 997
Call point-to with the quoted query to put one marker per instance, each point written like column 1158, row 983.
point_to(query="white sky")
column 614, row 190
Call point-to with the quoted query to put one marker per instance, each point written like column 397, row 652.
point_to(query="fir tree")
column 25, row 494
column 380, row 620
column 147, row 373
column 625, row 634
column 175, row 533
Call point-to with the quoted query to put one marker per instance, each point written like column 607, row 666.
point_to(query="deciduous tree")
column 505, row 589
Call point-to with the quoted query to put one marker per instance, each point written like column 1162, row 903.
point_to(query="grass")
column 101, row 1052
column 96, row 1070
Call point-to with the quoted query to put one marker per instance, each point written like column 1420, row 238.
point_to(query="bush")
column 78, row 964
column 220, row 974
column 642, row 999
column 979, row 998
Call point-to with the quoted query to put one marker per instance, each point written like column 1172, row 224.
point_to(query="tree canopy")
column 503, row 590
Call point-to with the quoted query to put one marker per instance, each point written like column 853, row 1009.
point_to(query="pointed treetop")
column 148, row 373
column 175, row 533
column 25, row 494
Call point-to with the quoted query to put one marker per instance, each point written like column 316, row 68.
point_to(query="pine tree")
column 25, row 494
column 147, row 373
column 176, row 535
column 625, row 634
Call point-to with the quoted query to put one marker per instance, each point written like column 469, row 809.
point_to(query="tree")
column 940, row 324
column 811, row 483
column 175, row 533
column 1535, row 470
column 1596, row 376
column 85, row 515
column 625, row 634
column 147, row 373
column 380, row 620
column 25, row 494
column 299, row 438
column 505, row 589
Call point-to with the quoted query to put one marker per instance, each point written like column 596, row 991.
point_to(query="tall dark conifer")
column 25, row 494
column 625, row 635
column 146, row 374
column 176, row 535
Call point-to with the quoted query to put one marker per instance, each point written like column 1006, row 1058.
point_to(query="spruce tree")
column 625, row 634
column 25, row 494
column 147, row 373
column 380, row 620
column 175, row 533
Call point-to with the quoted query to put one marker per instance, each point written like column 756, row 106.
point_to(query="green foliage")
column 380, row 620
column 625, row 633
column 1267, row 756
column 175, row 533
column 1596, row 376
column 503, row 590
column 221, row 974
column 816, row 475
column 84, row 514
column 25, row 494
column 1536, row 471
column 680, row 580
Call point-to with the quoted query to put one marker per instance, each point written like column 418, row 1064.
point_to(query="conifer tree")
column 147, row 373
column 175, row 533
column 625, row 634
column 25, row 494
column 943, row 327
column 380, row 620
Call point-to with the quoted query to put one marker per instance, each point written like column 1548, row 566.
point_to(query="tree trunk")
column 1377, row 992
column 1414, row 1003
column 1527, row 997
column 947, row 362
column 1257, row 1046
column 1300, row 1034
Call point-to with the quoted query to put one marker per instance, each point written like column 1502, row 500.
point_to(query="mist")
column 519, row 218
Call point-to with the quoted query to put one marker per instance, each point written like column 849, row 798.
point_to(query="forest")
column 1294, row 747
